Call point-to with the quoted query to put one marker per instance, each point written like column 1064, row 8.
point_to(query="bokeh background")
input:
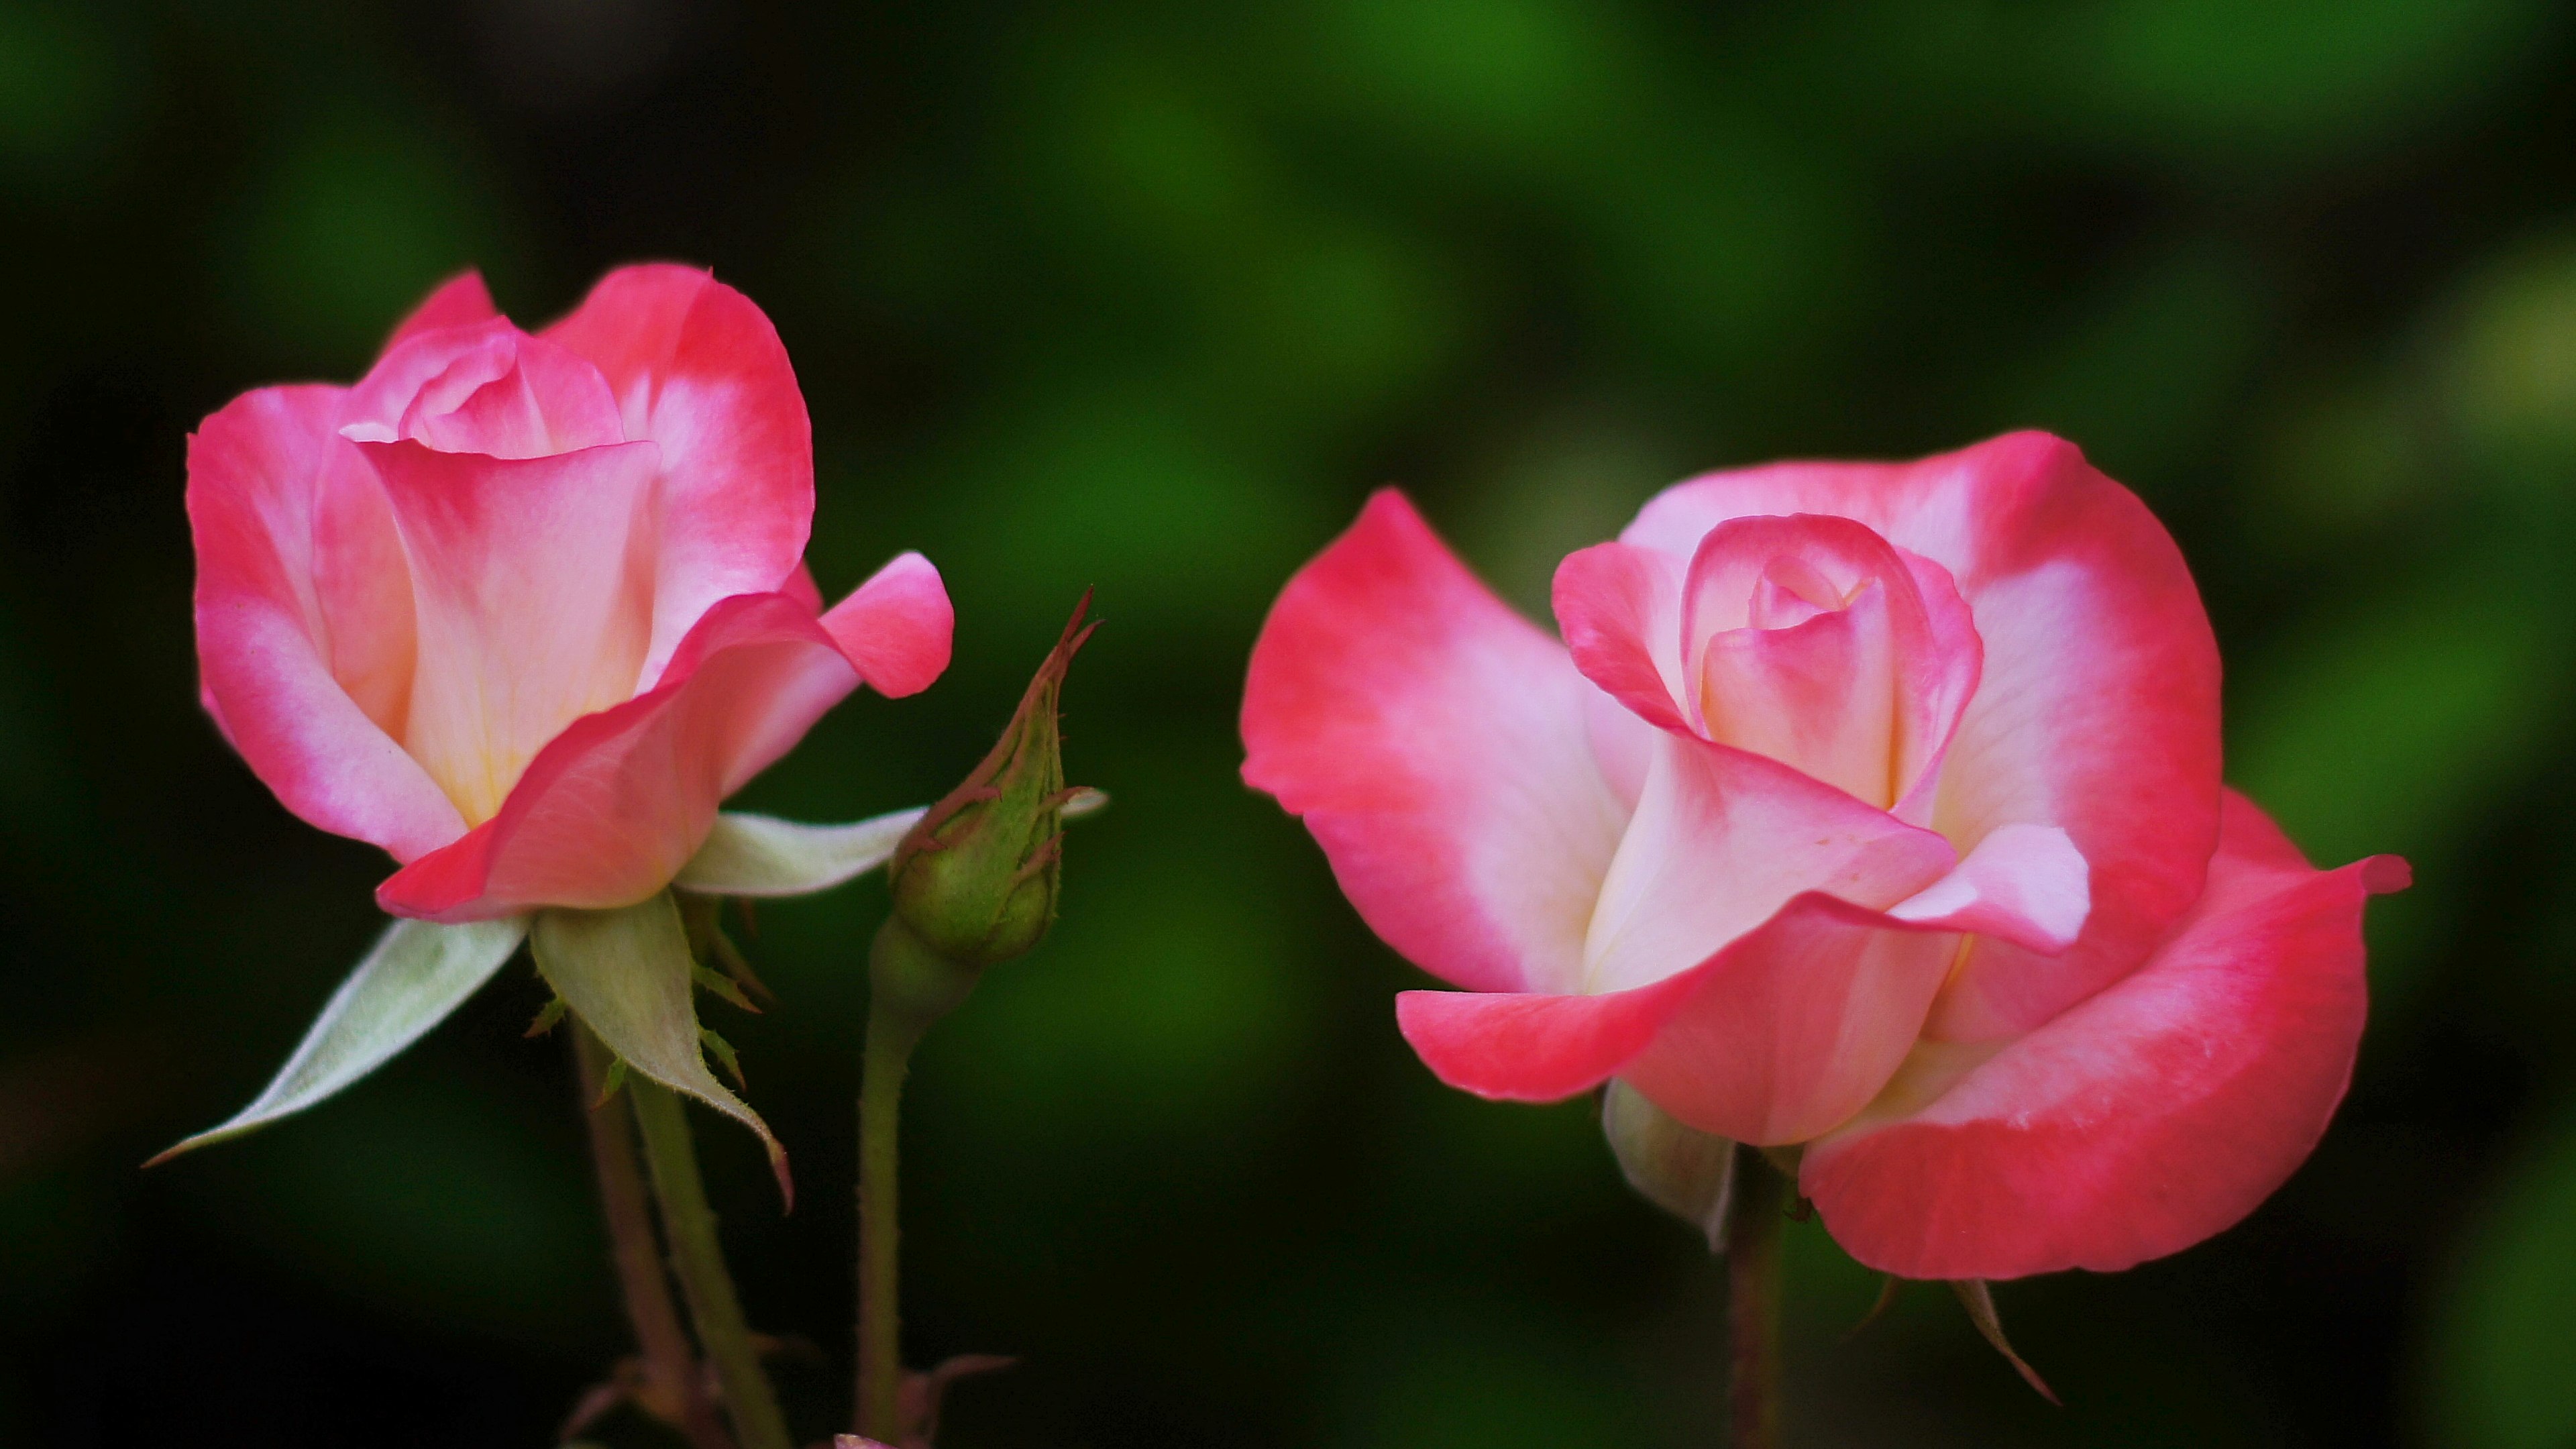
column 1148, row 296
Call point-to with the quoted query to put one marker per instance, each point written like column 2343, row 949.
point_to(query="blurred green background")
column 1148, row 296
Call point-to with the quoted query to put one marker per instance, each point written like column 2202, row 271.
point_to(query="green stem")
column 698, row 1258
column 1753, row 1230
column 891, row 1039
column 673, row 1387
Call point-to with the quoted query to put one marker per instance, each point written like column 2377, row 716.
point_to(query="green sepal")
column 1684, row 1171
column 720, row 984
column 1980, row 1303
column 724, row 1055
column 415, row 974
column 609, row 1082
column 629, row 976
column 547, row 1017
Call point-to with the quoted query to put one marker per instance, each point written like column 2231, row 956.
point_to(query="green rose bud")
column 975, row 880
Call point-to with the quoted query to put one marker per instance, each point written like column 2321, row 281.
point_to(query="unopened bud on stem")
column 975, row 881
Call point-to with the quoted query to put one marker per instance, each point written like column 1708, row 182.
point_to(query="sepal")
column 1980, row 1303
column 1680, row 1169
column 415, row 974
column 629, row 976
column 758, row 855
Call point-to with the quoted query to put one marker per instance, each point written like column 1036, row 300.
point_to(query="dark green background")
column 1143, row 296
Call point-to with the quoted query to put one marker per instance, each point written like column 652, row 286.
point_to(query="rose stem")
column 698, row 1258
column 891, row 1038
column 671, row 1379
column 1753, row 1230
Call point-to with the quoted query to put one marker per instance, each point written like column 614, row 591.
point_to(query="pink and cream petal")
column 458, row 301
column 1619, row 609
column 1812, row 640
column 619, row 802
column 513, row 396
column 1796, row 1025
column 2026, row 884
column 1783, row 1034
column 263, row 628
column 2139, row 1122
column 1534, row 1046
column 1435, row 744
column 1721, row 840
column 897, row 627
column 2097, row 709
column 697, row 368
column 531, row 587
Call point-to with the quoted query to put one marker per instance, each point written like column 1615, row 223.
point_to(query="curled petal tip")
column 2386, row 874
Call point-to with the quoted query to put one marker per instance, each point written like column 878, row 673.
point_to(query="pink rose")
column 1869, row 807
column 523, row 609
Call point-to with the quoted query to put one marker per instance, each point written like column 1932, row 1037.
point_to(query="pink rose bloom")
column 1872, row 809
column 522, row 609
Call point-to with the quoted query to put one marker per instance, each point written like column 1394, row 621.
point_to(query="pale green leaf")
column 417, row 973
column 627, row 974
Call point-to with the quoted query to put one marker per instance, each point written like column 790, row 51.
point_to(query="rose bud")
column 975, row 880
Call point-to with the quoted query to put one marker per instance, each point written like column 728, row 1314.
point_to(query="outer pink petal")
column 1780, row 1036
column 254, row 470
column 1516, row 1046
column 611, row 809
column 1620, row 611
column 2143, row 1120
column 2098, row 710
column 697, row 368
column 897, row 627
column 1435, row 743
column 459, row 300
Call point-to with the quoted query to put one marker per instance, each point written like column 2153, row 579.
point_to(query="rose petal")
column 1722, row 839
column 1812, row 640
column 1434, row 743
column 530, row 584
column 1780, row 1036
column 459, row 300
column 896, row 627
column 2026, row 884
column 612, row 808
column 1620, row 611
column 2139, row 1122
column 266, row 605
column 2098, row 706
column 697, row 368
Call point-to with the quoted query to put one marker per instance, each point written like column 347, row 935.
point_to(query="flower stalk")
column 974, row 884
column 697, row 1258
column 1756, row 1210
column 892, row 1034
column 672, row 1389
